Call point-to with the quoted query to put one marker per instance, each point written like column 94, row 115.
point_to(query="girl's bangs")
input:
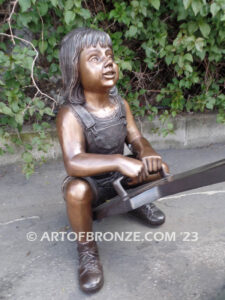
column 93, row 38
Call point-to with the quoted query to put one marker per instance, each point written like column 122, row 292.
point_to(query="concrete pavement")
column 188, row 267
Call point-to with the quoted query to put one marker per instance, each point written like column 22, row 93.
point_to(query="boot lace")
column 89, row 259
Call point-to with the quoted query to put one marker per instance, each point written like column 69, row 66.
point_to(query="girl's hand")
column 132, row 168
column 152, row 163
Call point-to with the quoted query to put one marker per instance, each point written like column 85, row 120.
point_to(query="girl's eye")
column 111, row 56
column 94, row 59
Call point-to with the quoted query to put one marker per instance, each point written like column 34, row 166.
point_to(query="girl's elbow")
column 70, row 169
column 73, row 170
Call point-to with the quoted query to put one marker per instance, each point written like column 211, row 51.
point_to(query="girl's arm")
column 79, row 163
column 141, row 147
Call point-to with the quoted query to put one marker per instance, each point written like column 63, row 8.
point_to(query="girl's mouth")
column 109, row 74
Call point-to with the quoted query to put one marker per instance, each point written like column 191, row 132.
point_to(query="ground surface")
column 160, row 270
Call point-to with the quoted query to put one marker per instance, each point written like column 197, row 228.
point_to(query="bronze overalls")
column 103, row 136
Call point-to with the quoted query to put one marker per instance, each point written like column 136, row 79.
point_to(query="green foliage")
column 170, row 55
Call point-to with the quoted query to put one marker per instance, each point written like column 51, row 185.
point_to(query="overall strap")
column 84, row 116
column 122, row 107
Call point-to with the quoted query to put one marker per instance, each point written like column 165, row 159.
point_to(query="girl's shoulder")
column 67, row 116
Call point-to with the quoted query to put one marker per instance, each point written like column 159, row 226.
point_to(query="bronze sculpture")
column 93, row 125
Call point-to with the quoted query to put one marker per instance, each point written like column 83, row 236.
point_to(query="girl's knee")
column 77, row 191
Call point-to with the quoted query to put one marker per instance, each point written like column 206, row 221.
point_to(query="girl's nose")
column 108, row 63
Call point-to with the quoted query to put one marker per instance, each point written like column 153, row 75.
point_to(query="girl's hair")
column 72, row 45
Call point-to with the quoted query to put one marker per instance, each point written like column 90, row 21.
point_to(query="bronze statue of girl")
column 93, row 125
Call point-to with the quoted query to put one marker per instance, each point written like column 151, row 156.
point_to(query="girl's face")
column 98, row 71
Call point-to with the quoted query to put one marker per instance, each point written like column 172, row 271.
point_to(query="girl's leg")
column 79, row 197
column 79, row 206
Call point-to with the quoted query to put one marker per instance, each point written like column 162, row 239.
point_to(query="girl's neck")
column 96, row 100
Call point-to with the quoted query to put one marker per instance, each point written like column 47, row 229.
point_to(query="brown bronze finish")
column 89, row 77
